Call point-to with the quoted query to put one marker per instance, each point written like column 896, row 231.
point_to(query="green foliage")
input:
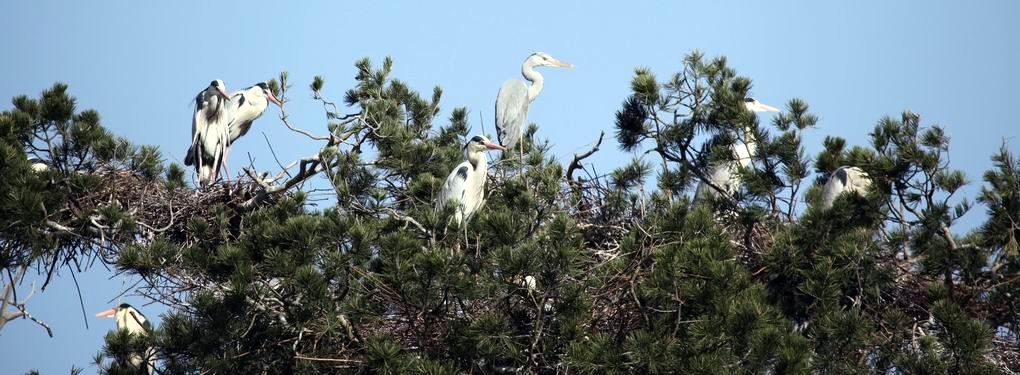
column 77, row 156
column 615, row 273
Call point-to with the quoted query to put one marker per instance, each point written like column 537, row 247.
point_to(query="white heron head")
column 543, row 59
column 480, row 143
column 754, row 105
column 125, row 315
column 262, row 89
column 217, row 87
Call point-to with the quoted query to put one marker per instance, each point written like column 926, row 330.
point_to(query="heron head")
column 543, row 59
column 754, row 105
column 480, row 143
column 265, row 91
column 116, row 311
column 218, row 87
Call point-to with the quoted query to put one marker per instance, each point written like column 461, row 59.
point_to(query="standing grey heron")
column 130, row 319
column 244, row 108
column 726, row 175
column 465, row 187
column 846, row 179
column 514, row 97
column 209, row 132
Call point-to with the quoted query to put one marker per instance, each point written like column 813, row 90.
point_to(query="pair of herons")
column 725, row 178
column 218, row 122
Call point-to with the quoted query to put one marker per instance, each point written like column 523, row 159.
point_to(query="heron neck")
column 537, row 81
column 478, row 162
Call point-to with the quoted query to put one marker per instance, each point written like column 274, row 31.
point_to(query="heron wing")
column 511, row 112
column 836, row 185
column 245, row 109
column 141, row 325
column 455, row 187
column 722, row 175
column 858, row 180
column 198, row 124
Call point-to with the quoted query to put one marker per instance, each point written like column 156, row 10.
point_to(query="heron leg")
column 478, row 247
column 226, row 172
column 199, row 165
column 525, row 180
column 466, row 243
column 521, row 143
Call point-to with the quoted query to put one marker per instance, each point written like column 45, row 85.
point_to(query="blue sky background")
column 140, row 64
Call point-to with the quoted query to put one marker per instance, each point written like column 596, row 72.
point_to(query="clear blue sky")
column 140, row 66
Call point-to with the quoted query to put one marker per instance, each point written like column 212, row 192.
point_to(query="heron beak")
column 107, row 314
column 272, row 98
column 766, row 108
column 493, row 146
column 222, row 93
column 562, row 64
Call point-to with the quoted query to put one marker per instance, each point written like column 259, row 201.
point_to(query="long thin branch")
column 407, row 219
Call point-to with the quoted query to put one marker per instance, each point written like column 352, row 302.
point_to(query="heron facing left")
column 130, row 319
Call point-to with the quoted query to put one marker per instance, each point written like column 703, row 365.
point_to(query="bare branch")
column 21, row 310
column 576, row 163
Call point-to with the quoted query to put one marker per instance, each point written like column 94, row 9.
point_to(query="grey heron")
column 130, row 319
column 845, row 179
column 725, row 175
column 465, row 186
column 514, row 97
column 209, row 132
column 244, row 108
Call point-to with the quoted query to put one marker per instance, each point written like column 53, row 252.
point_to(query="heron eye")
column 214, row 84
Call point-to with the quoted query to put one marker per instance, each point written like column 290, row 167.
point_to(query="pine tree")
column 562, row 270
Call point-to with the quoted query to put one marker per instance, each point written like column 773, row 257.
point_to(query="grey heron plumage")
column 465, row 186
column 726, row 175
column 130, row 319
column 243, row 108
column 515, row 96
column 209, row 132
column 246, row 106
column 845, row 179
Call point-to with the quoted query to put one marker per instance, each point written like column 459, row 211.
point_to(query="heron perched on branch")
column 725, row 175
column 243, row 109
column 514, row 97
column 465, row 187
column 846, row 179
column 130, row 319
column 209, row 132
